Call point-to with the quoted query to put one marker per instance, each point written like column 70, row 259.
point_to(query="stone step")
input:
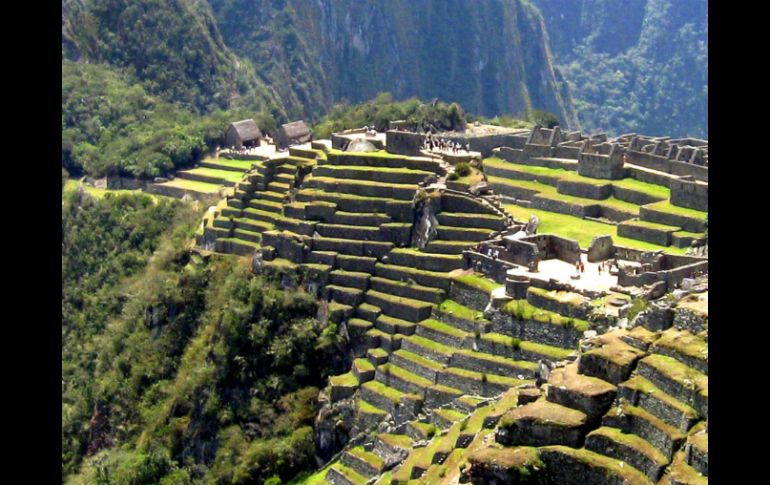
column 260, row 215
column 493, row 364
column 691, row 350
column 266, row 205
column 463, row 317
column 376, row 174
column 541, row 423
column 399, row 307
column 397, row 210
column 377, row 356
column 362, row 188
column 517, row 349
column 322, row 257
column 401, row 379
column 642, row 393
column 392, row 448
column 425, row 261
column 442, row 333
column 394, row 325
column 444, row 418
column 351, row 279
column 340, row 231
column 613, row 361
column 697, row 451
column 340, row 474
column 420, row 431
column 364, row 462
column 352, row 247
column 270, row 195
column 363, row 369
column 460, row 219
column 343, row 386
column 252, row 225
column 681, row 473
column 629, row 448
column 245, row 235
column 389, row 342
column 278, row 187
column 414, row 291
column 569, row 466
column 448, row 247
column 428, row 349
column 590, row 395
column 425, row 278
column 635, row 420
column 381, row 396
column 470, row 234
column 359, row 264
column 416, row 364
column 477, row 383
column 441, row 395
column 358, row 219
column 677, row 379
column 345, row 295
column 368, row 312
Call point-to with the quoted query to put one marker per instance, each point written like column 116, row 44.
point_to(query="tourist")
column 577, row 267
column 582, row 267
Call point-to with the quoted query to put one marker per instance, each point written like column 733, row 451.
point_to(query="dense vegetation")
column 633, row 66
column 176, row 369
column 113, row 127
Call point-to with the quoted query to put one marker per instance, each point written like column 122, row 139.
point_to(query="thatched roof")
column 247, row 130
column 296, row 130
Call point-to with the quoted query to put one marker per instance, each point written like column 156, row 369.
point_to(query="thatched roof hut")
column 292, row 133
column 244, row 132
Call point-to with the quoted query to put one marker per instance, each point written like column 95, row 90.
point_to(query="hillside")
column 633, row 65
column 295, row 58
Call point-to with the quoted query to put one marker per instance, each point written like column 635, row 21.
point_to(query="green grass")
column 378, row 352
column 696, row 235
column 556, row 353
column 666, row 206
column 479, row 376
column 524, row 310
column 234, row 163
column 582, row 230
column 363, row 168
column 370, row 458
column 404, row 375
column 228, row 175
column 371, row 183
column 380, row 388
column 653, row 190
column 430, row 344
column 652, row 225
column 442, row 327
column 193, row 185
column 72, row 185
column 364, row 407
column 460, row 311
column 345, row 380
column 399, row 300
column 478, row 282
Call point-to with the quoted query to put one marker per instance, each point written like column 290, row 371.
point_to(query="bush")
column 463, row 169
column 515, row 343
column 452, row 176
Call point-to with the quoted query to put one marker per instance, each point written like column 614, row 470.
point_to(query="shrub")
column 463, row 169
column 453, row 176
column 515, row 343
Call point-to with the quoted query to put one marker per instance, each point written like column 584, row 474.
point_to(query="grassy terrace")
column 581, row 230
column 72, row 185
column 383, row 390
column 363, row 168
column 653, row 190
column 228, row 175
column 630, row 475
column 376, row 154
column 419, row 360
column 524, row 310
column 478, row 282
column 668, row 207
column 234, row 163
column 553, row 352
column 430, row 344
column 480, row 376
column 404, row 375
column 345, row 380
column 651, row 225
column 455, row 309
column 442, row 327
column 192, row 185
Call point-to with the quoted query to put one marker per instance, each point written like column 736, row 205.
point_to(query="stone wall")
column 521, row 252
column 691, row 194
column 494, row 269
column 599, row 166
column 403, row 142
column 468, row 295
column 663, row 164
column 584, row 189
column 551, row 246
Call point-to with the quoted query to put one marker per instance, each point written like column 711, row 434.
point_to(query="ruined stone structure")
column 464, row 329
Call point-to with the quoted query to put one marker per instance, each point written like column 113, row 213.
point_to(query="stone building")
column 293, row 133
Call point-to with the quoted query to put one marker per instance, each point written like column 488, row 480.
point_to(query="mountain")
column 297, row 58
column 633, row 65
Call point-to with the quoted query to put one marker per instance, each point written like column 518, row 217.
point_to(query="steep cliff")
column 298, row 57
column 633, row 65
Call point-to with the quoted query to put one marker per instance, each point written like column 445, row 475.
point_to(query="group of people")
column 432, row 144
column 370, row 130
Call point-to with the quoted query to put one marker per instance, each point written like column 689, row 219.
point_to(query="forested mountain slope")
column 633, row 65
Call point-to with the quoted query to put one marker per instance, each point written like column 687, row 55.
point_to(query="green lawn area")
column 666, row 206
column 227, row 162
column 228, row 175
column 629, row 183
column 193, row 185
column 581, row 230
